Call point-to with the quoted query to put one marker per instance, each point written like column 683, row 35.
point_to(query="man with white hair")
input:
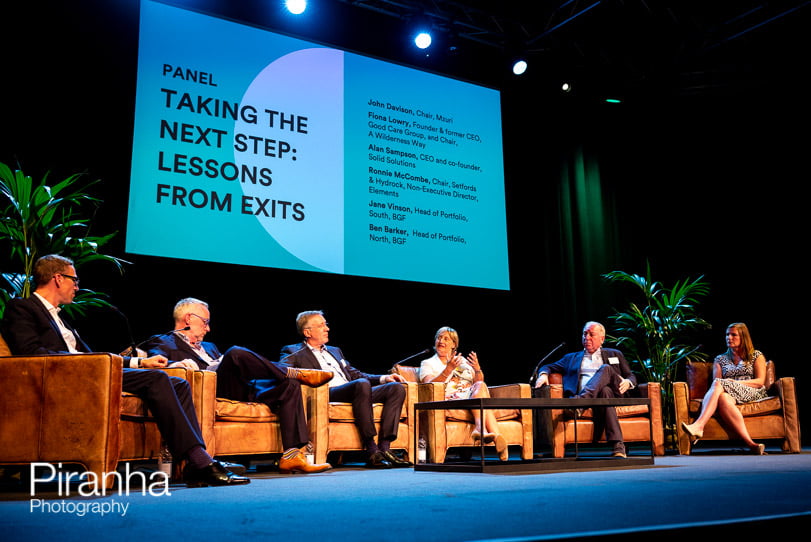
column 595, row 372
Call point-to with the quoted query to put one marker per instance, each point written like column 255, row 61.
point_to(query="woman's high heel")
column 760, row 449
column 696, row 435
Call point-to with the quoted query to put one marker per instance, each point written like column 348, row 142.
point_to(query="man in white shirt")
column 595, row 372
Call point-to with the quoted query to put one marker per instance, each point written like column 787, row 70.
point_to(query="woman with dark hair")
column 464, row 379
column 739, row 375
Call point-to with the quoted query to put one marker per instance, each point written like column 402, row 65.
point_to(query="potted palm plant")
column 40, row 218
column 651, row 333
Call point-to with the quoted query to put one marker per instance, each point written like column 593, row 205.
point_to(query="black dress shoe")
column 378, row 461
column 212, row 475
column 395, row 460
column 236, row 468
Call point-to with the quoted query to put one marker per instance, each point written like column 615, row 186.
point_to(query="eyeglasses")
column 71, row 277
column 318, row 326
column 206, row 321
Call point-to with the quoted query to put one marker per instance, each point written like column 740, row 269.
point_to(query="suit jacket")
column 569, row 367
column 29, row 330
column 299, row 355
column 176, row 349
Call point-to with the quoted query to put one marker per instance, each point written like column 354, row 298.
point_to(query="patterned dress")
column 459, row 383
column 730, row 372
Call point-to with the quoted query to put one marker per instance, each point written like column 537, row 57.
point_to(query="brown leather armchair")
column 332, row 425
column 70, row 409
column 238, row 427
column 635, row 420
column 445, row 429
column 775, row 417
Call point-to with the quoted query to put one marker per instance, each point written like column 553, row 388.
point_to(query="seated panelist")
column 595, row 372
column 351, row 385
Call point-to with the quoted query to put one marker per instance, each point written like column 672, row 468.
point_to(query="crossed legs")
column 716, row 400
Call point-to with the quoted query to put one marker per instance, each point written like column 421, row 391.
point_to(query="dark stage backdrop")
column 697, row 185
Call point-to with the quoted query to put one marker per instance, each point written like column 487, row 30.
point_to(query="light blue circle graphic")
column 297, row 135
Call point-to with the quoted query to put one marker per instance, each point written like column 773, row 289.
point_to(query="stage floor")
column 712, row 489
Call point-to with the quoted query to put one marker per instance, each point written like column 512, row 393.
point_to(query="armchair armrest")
column 791, row 416
column 204, row 396
column 519, row 390
column 681, row 404
column 431, row 391
column 316, row 404
column 66, row 408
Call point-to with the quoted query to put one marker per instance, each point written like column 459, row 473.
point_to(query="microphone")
column 534, row 376
column 133, row 347
column 420, row 353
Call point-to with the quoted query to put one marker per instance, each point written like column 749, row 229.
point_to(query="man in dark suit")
column 34, row 326
column 595, row 372
column 352, row 386
column 243, row 375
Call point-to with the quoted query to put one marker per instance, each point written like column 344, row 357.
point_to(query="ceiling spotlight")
column 296, row 7
column 519, row 66
column 422, row 39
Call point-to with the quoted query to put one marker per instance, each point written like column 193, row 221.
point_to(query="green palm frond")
column 40, row 218
column 651, row 332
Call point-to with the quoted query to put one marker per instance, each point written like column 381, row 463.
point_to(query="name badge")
column 614, row 361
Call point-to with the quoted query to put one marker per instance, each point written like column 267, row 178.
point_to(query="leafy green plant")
column 651, row 333
column 39, row 218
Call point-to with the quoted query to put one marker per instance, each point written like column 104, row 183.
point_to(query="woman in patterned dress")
column 464, row 379
column 739, row 375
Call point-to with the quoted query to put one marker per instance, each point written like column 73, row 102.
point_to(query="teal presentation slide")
column 255, row 148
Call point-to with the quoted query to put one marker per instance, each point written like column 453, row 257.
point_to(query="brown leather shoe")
column 294, row 460
column 310, row 377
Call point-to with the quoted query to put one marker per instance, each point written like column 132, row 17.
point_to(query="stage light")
column 519, row 66
column 422, row 39
column 566, row 87
column 613, row 101
column 296, row 7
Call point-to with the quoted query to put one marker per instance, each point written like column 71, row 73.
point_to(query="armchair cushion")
column 239, row 411
column 342, row 412
column 462, row 415
column 410, row 374
column 628, row 411
column 332, row 424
